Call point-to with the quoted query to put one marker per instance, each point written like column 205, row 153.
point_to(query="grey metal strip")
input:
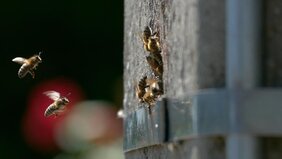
column 206, row 113
column 143, row 128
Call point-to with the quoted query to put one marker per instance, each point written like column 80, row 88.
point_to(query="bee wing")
column 19, row 60
column 52, row 94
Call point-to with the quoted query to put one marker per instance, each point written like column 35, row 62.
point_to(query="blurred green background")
column 80, row 39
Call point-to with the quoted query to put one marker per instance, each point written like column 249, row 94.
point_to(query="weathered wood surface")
column 189, row 149
column 192, row 35
column 192, row 40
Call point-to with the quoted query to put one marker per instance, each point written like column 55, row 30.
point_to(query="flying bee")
column 151, row 42
column 28, row 65
column 58, row 106
column 156, row 63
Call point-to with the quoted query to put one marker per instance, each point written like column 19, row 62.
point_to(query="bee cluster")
column 27, row 67
column 148, row 90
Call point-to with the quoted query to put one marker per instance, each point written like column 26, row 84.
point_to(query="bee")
column 147, row 33
column 151, row 42
column 148, row 90
column 28, row 65
column 149, row 97
column 140, row 89
column 155, row 86
column 153, row 90
column 58, row 106
column 152, row 45
column 156, row 63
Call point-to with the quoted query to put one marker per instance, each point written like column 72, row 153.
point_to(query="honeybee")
column 148, row 90
column 28, row 65
column 58, row 106
column 147, row 33
column 152, row 45
column 156, row 63
column 151, row 41
column 149, row 97
column 155, row 86
column 140, row 89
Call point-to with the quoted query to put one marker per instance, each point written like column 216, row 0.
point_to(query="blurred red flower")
column 39, row 130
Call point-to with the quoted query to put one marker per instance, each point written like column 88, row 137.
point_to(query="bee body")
column 58, row 106
column 156, row 64
column 156, row 87
column 50, row 110
column 151, row 40
column 149, row 98
column 147, row 33
column 154, row 45
column 151, row 44
column 24, row 69
column 149, row 89
column 140, row 89
column 28, row 65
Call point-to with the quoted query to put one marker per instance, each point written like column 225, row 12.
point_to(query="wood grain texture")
column 211, row 148
column 192, row 36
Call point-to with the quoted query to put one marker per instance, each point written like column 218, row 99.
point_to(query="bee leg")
column 32, row 73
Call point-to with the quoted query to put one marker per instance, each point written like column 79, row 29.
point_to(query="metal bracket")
column 143, row 127
column 208, row 113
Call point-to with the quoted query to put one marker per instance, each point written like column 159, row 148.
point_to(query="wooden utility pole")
column 218, row 57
